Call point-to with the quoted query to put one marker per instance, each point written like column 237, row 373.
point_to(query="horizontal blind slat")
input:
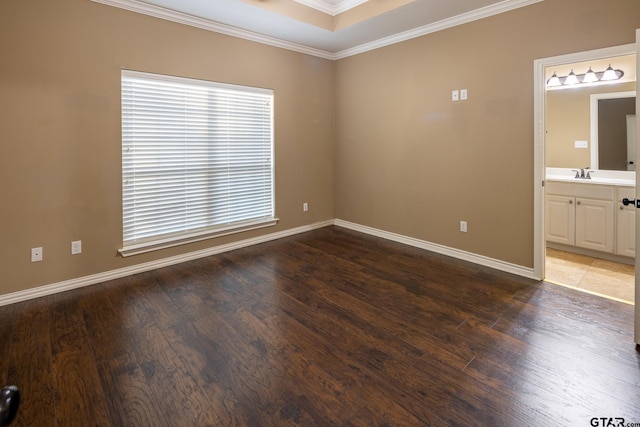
column 194, row 155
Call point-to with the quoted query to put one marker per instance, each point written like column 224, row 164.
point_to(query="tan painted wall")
column 569, row 120
column 60, row 123
column 411, row 161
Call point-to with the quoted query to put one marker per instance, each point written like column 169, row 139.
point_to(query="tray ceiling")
column 330, row 29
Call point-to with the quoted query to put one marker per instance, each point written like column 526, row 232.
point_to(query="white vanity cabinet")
column 560, row 215
column 580, row 215
column 594, row 224
column 625, row 223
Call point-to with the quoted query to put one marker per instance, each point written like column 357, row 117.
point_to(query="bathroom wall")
column 569, row 120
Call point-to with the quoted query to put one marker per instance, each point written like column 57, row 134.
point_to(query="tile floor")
column 599, row 276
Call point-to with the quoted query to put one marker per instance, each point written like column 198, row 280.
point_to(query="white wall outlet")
column 463, row 94
column 454, row 95
column 76, row 247
column 305, row 207
column 581, row 144
column 36, row 254
column 463, row 226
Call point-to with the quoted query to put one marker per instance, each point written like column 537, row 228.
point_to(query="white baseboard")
column 80, row 282
column 444, row 250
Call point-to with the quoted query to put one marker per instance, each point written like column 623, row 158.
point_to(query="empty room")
column 318, row 213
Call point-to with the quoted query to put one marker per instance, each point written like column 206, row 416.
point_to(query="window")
column 197, row 160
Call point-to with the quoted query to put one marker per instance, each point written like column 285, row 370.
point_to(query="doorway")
column 596, row 275
column 565, row 144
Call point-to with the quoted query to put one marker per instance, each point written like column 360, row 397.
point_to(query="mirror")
column 577, row 115
column 612, row 138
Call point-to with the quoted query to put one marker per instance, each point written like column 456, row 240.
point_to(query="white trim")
column 93, row 279
column 155, row 245
column 444, row 250
column 539, row 82
column 331, row 9
column 444, row 24
column 206, row 24
column 539, row 168
column 636, row 311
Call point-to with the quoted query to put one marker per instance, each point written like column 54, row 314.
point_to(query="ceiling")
column 317, row 27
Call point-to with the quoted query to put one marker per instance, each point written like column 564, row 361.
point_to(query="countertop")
column 598, row 177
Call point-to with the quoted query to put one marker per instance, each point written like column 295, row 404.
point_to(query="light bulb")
column 590, row 77
column 609, row 74
column 553, row 81
column 571, row 79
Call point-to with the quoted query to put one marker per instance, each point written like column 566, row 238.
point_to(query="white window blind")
column 197, row 159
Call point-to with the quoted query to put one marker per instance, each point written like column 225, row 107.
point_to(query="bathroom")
column 590, row 151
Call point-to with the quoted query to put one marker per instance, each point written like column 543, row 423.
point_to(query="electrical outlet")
column 463, row 226
column 36, row 254
column 76, row 247
column 463, row 94
column 305, row 207
column 454, row 95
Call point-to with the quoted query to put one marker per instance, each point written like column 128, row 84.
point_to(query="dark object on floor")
column 9, row 401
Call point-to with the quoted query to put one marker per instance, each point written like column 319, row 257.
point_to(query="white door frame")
column 539, row 66
column 636, row 336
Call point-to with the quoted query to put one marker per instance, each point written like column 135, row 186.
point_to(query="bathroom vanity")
column 588, row 214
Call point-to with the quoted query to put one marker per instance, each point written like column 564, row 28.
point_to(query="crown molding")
column 331, row 9
column 205, row 24
column 465, row 18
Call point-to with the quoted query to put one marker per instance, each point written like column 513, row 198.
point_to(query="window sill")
column 156, row 245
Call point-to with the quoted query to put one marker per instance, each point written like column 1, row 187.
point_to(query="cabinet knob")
column 621, row 207
column 570, row 202
column 578, row 202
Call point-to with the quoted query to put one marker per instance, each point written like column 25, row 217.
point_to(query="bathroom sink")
column 594, row 180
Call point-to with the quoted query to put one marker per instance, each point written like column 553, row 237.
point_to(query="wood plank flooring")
column 325, row 328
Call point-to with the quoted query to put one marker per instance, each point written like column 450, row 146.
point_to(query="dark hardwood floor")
column 325, row 328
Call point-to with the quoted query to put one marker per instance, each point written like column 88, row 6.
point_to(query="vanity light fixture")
column 610, row 74
column 589, row 77
column 571, row 78
column 554, row 80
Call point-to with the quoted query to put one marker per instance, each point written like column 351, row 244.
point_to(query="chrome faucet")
column 580, row 174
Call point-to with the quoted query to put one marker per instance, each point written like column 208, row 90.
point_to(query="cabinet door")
column 594, row 224
column 560, row 219
column 626, row 231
